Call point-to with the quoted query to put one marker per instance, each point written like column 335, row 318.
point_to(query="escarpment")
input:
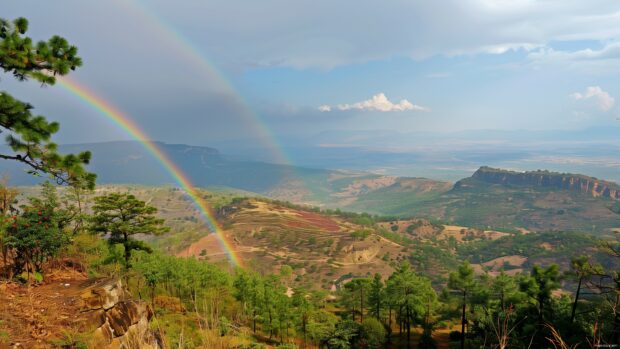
column 114, row 319
column 545, row 179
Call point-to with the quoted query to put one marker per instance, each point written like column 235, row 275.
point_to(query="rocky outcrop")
column 545, row 179
column 114, row 319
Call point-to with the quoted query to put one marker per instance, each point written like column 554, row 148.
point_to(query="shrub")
column 35, row 236
column 373, row 333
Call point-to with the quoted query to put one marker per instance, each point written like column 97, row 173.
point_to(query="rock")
column 115, row 320
column 102, row 337
column 102, row 295
column 125, row 314
column 93, row 319
column 545, row 179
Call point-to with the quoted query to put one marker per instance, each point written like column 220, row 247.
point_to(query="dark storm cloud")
column 127, row 64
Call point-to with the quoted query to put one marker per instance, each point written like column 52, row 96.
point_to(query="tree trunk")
column 153, row 297
column 127, row 250
column 408, row 324
column 304, row 329
column 361, row 304
column 616, row 324
column 572, row 314
column 463, row 321
column 270, row 326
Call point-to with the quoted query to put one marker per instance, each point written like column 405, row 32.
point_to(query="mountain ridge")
column 545, row 179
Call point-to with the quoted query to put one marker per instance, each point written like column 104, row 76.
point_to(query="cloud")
column 603, row 99
column 378, row 102
column 610, row 51
column 264, row 34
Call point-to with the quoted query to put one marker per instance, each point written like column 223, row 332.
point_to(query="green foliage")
column 376, row 296
column 345, row 335
column 539, row 287
column 120, row 216
column 321, row 325
column 361, row 234
column 29, row 136
column 411, row 296
column 37, row 233
column 373, row 333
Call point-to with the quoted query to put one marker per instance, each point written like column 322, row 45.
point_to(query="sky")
column 274, row 71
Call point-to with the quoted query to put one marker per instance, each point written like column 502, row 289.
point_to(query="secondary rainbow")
column 120, row 119
column 189, row 51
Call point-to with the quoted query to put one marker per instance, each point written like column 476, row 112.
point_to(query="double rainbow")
column 120, row 119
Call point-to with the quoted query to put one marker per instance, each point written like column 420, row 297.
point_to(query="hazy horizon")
column 521, row 65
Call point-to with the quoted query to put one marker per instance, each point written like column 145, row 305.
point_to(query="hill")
column 322, row 250
column 545, row 179
column 325, row 248
column 490, row 198
column 130, row 163
column 499, row 199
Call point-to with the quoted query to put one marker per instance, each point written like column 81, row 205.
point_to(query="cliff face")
column 544, row 179
column 71, row 311
column 114, row 319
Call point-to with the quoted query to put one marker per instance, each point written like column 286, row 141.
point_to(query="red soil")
column 317, row 220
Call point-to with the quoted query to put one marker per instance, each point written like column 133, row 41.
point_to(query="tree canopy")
column 29, row 135
column 119, row 216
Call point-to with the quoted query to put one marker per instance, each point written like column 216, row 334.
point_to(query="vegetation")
column 121, row 216
column 198, row 303
column 29, row 136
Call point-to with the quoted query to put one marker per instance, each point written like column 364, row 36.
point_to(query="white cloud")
column 603, row 99
column 269, row 32
column 611, row 51
column 378, row 102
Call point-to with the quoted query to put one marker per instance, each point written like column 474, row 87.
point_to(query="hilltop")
column 490, row 198
column 499, row 199
column 544, row 179
column 322, row 249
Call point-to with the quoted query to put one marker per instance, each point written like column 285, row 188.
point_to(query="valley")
column 488, row 199
column 309, row 175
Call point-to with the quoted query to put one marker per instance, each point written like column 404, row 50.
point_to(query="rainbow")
column 120, row 119
column 185, row 48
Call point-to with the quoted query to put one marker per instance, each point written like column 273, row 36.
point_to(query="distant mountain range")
column 533, row 201
column 490, row 198
column 129, row 162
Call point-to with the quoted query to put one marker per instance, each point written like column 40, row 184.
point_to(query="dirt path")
column 37, row 316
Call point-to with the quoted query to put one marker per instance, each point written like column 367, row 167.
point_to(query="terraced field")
column 319, row 248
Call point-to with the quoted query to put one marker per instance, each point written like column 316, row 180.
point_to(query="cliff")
column 544, row 179
column 114, row 319
column 74, row 313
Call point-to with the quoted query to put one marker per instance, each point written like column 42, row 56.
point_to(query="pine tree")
column 355, row 298
column 121, row 216
column 581, row 270
column 375, row 296
column 412, row 296
column 463, row 281
column 29, row 136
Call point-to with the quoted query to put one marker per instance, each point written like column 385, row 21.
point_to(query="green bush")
column 373, row 333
